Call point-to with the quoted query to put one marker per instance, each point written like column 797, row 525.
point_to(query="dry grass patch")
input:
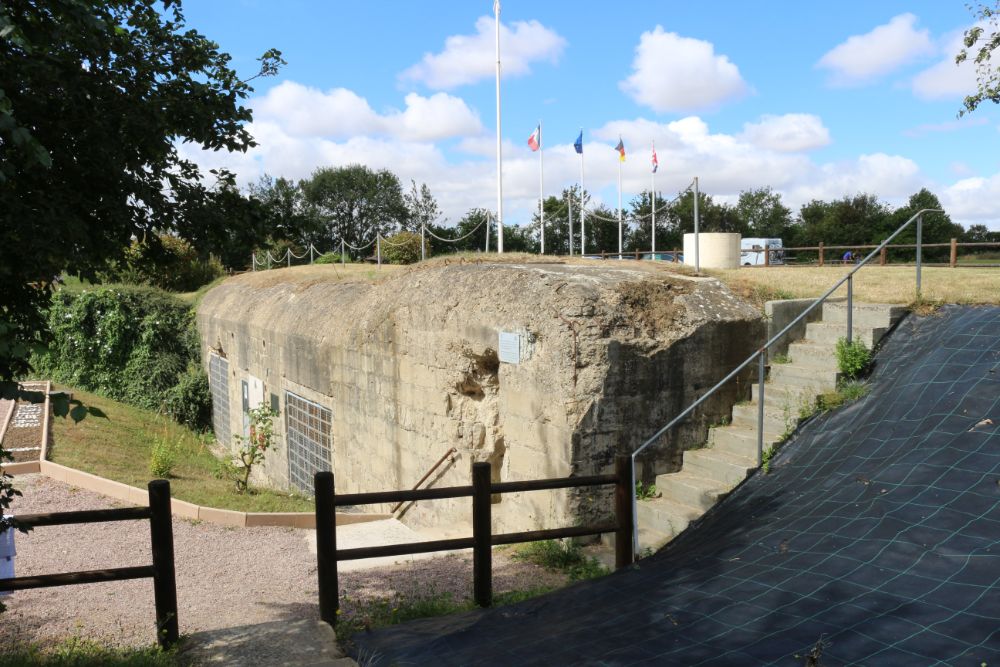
column 872, row 284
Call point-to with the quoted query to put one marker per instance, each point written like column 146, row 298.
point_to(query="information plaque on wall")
column 510, row 347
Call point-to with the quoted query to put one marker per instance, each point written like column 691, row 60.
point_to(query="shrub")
column 254, row 447
column 403, row 248
column 331, row 258
column 163, row 261
column 162, row 457
column 189, row 401
column 131, row 344
column 852, row 358
column 564, row 555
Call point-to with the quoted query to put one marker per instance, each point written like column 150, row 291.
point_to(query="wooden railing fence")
column 482, row 540
column 161, row 571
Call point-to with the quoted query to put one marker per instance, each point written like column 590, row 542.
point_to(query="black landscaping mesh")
column 875, row 540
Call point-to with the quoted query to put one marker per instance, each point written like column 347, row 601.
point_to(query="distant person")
column 848, row 257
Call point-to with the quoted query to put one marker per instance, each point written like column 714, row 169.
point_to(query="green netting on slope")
column 876, row 537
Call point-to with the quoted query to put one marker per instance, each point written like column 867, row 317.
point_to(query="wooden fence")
column 482, row 539
column 161, row 571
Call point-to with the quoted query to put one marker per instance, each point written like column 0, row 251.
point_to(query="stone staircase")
column 730, row 454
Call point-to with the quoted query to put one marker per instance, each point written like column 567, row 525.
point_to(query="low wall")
column 178, row 508
column 780, row 313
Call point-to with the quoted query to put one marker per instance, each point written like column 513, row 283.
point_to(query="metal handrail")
column 760, row 356
column 450, row 452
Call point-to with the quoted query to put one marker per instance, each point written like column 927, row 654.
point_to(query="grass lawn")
column 872, row 284
column 115, row 440
column 75, row 652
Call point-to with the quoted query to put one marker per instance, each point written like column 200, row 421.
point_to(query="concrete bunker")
column 541, row 369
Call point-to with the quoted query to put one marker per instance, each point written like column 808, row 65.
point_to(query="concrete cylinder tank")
column 715, row 250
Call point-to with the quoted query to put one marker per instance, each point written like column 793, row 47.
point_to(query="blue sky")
column 815, row 100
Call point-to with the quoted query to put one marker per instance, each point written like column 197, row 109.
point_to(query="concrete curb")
column 179, row 508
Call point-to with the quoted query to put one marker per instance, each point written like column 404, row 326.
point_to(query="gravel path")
column 226, row 577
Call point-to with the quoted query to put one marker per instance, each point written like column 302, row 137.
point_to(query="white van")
column 752, row 251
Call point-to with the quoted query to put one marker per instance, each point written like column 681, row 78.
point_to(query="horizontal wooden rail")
column 553, row 534
column 546, row 484
column 482, row 540
column 69, row 578
column 84, row 516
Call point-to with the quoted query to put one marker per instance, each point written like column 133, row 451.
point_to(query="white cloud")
column 789, row 133
column 863, row 58
column 470, row 58
column 974, row 201
column 341, row 113
column 945, row 79
column 674, row 73
column 946, row 126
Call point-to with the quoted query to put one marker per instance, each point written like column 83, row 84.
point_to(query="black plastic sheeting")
column 875, row 540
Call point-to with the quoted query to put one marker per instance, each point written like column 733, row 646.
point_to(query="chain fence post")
column 423, row 243
column 342, row 260
column 378, row 248
column 920, row 229
column 850, row 309
column 310, row 253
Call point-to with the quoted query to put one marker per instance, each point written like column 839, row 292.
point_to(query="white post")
column 570, row 216
column 487, row 232
column 311, row 253
column 343, row 261
column 619, row 207
column 496, row 11
column 697, row 262
column 652, row 197
column 583, row 231
column 423, row 244
column 378, row 248
column 541, row 188
column 253, row 262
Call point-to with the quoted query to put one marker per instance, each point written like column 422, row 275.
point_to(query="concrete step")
column 740, row 441
column 686, row 488
column 831, row 332
column 649, row 538
column 777, row 419
column 793, row 398
column 725, row 467
column 813, row 354
column 866, row 315
column 667, row 517
column 805, row 376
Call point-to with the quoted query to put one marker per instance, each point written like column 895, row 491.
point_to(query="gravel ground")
column 226, row 577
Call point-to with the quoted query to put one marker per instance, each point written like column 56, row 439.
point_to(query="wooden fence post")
column 821, row 253
column 954, row 253
column 882, row 256
column 482, row 533
column 326, row 548
column 164, row 578
column 623, row 511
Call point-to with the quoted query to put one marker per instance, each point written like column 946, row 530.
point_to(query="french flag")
column 533, row 142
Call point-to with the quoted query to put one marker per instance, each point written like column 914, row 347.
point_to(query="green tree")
column 287, row 216
column 601, row 225
column 762, row 214
column 980, row 42
column 97, row 95
column 472, row 226
column 935, row 227
column 851, row 220
column 557, row 223
column 354, row 203
column 422, row 207
column 640, row 236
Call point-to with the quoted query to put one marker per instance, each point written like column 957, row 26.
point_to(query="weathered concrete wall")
column 409, row 367
column 780, row 314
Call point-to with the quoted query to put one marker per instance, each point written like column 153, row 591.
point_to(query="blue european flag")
column 578, row 144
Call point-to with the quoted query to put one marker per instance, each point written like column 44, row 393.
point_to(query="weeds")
column 847, row 392
column 566, row 556
column 163, row 456
column 645, row 491
column 781, row 359
column 853, row 358
column 766, row 458
column 79, row 652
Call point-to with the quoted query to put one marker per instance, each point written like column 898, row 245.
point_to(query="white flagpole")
column 619, row 206
column 496, row 12
column 583, row 231
column 652, row 196
column 541, row 187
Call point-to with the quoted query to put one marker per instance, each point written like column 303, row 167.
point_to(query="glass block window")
column 309, row 437
column 218, row 382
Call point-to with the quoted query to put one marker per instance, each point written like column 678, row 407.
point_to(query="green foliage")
column 96, row 100
column 163, row 456
column 163, row 261
column 403, row 248
column 853, row 358
column 252, row 449
column 189, row 402
column 79, row 652
column 564, row 555
column 780, row 359
column 976, row 43
column 766, row 458
column 847, row 392
column 331, row 258
column 132, row 344
column 645, row 491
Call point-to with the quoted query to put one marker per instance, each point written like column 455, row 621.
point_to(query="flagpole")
column 541, row 187
column 569, row 202
column 496, row 11
column 583, row 231
column 652, row 196
column 619, row 205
